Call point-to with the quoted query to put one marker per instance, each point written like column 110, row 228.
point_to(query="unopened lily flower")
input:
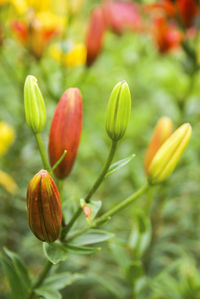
column 168, row 155
column 118, row 111
column 162, row 131
column 34, row 105
column 44, row 207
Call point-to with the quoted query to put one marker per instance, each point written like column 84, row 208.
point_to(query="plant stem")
column 42, row 151
column 103, row 172
column 95, row 186
column 111, row 212
column 40, row 278
column 149, row 200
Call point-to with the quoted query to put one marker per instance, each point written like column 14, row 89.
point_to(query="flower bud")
column 44, row 207
column 118, row 111
column 95, row 34
column 34, row 105
column 163, row 130
column 66, row 131
column 168, row 155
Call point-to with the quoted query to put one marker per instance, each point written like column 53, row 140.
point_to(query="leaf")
column 110, row 284
column 81, row 249
column 90, row 209
column 48, row 293
column 120, row 254
column 55, row 252
column 119, row 164
column 92, row 236
column 140, row 237
column 17, row 274
column 61, row 280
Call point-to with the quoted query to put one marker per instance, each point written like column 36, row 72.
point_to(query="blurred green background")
column 169, row 268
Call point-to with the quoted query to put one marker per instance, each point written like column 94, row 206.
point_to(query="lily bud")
column 118, row 111
column 44, row 207
column 66, row 131
column 35, row 111
column 95, row 34
column 162, row 131
column 168, row 155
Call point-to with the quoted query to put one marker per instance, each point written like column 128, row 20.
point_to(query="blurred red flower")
column 121, row 16
column 95, row 34
column 166, row 35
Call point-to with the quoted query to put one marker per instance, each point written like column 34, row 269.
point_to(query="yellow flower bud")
column 7, row 136
column 168, row 155
column 118, row 111
column 162, row 131
column 34, row 105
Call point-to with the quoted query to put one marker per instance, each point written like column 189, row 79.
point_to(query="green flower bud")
column 168, row 155
column 34, row 105
column 118, row 112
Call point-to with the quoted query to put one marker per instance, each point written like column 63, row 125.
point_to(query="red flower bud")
column 94, row 39
column 44, row 207
column 65, row 131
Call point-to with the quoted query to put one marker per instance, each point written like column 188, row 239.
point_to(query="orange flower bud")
column 44, row 207
column 94, row 39
column 163, row 130
column 66, row 131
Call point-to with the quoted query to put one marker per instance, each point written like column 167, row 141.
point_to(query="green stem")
column 40, row 278
column 149, row 200
column 42, row 151
column 111, row 212
column 59, row 160
column 93, row 189
column 103, row 172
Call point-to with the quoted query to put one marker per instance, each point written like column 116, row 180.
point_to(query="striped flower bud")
column 35, row 111
column 162, row 131
column 118, row 111
column 168, row 155
column 66, row 131
column 44, row 207
column 95, row 34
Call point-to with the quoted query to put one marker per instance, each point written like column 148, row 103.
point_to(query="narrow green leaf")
column 55, row 252
column 16, row 274
column 110, row 284
column 81, row 249
column 119, row 164
column 120, row 254
column 19, row 267
column 48, row 293
column 61, row 280
column 140, row 237
column 92, row 236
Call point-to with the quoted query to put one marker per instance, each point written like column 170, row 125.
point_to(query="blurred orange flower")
column 36, row 32
column 167, row 36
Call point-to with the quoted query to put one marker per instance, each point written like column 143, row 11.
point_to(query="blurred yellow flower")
column 22, row 6
column 49, row 20
column 65, row 7
column 7, row 136
column 71, row 54
column 2, row 2
column 8, row 183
